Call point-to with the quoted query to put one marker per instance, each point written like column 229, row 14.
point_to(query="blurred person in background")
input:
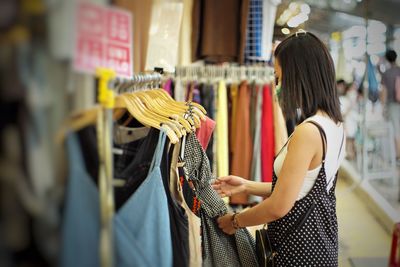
column 390, row 97
column 348, row 97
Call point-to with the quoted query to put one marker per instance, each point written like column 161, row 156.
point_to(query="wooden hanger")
column 179, row 108
column 167, row 109
column 122, row 102
column 151, row 118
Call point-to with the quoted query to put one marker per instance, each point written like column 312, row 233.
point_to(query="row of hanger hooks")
column 146, row 81
column 140, row 81
column 224, row 72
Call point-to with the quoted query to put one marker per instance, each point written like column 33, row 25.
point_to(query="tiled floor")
column 362, row 240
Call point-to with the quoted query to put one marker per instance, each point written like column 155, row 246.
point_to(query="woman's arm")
column 227, row 186
column 305, row 148
column 261, row 189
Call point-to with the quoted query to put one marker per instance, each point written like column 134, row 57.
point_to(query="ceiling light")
column 305, row 9
column 294, row 22
column 293, row 6
column 285, row 31
column 297, row 20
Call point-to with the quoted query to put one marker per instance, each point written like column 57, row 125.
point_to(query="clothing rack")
column 140, row 81
column 228, row 72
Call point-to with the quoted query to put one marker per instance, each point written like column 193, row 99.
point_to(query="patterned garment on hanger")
column 219, row 249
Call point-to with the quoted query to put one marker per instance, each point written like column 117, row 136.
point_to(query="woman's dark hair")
column 308, row 78
column 391, row 56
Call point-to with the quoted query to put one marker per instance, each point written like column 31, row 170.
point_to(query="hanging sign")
column 103, row 38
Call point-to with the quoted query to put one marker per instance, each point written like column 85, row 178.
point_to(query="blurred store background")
column 42, row 82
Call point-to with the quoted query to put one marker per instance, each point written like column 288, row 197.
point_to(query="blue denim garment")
column 142, row 235
column 142, row 227
column 81, row 220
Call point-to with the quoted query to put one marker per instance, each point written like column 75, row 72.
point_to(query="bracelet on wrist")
column 235, row 222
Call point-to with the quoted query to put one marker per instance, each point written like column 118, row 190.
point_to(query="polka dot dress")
column 315, row 242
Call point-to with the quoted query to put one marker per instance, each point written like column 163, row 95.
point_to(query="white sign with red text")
column 103, row 39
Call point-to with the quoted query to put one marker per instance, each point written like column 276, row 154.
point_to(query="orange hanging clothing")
column 243, row 143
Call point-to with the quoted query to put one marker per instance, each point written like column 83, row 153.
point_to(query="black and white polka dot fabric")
column 314, row 243
column 219, row 249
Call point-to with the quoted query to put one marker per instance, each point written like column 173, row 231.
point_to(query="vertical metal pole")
column 365, row 101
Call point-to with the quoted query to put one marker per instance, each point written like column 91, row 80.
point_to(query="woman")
column 305, row 170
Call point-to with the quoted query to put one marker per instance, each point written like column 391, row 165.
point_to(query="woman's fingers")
column 223, row 178
column 216, row 186
column 221, row 192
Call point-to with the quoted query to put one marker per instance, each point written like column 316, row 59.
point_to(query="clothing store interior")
column 106, row 101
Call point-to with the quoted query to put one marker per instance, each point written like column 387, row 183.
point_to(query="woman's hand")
column 227, row 186
column 225, row 223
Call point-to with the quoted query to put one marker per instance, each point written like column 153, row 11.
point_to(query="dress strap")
column 158, row 153
column 323, row 137
column 287, row 141
column 75, row 156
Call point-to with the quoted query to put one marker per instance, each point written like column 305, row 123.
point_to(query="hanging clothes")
column 267, row 136
column 217, row 38
column 219, row 249
column 222, row 101
column 207, row 93
column 134, row 174
column 193, row 93
column 179, row 225
column 168, row 86
column 132, row 163
column 253, row 107
column 179, row 92
column 243, row 143
column 178, row 188
column 132, row 237
column 256, row 158
column 204, row 133
column 81, row 224
column 184, row 50
column 233, row 97
column 222, row 130
column 136, row 236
